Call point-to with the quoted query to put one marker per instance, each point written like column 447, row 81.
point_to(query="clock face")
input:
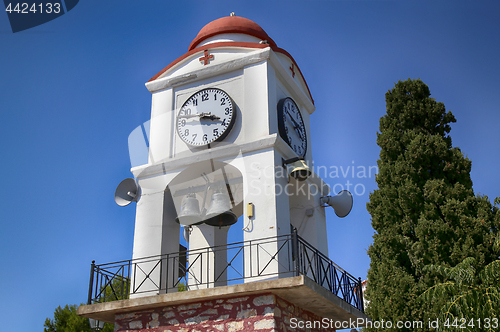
column 291, row 126
column 206, row 117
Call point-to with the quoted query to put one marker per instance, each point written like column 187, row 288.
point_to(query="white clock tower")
column 224, row 117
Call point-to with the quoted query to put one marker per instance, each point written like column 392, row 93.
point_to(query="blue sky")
column 72, row 90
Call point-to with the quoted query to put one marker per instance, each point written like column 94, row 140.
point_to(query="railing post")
column 295, row 251
column 91, row 283
column 167, row 272
column 122, row 284
column 361, row 304
column 134, row 268
column 318, row 269
column 160, row 276
column 129, row 275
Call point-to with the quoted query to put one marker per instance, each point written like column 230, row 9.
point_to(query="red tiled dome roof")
column 231, row 24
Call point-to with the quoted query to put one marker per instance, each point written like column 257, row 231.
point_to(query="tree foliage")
column 472, row 297
column 424, row 211
column 66, row 320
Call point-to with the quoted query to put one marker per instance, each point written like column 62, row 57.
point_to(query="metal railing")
column 274, row 257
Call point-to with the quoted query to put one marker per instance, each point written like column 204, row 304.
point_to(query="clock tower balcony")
column 310, row 281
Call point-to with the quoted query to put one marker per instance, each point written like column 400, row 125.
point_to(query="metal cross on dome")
column 205, row 59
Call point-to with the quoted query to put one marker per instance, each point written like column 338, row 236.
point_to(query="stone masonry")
column 261, row 313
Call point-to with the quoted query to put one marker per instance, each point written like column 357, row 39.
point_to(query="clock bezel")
column 282, row 124
column 227, row 129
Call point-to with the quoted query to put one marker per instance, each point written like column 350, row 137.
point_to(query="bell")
column 190, row 211
column 219, row 213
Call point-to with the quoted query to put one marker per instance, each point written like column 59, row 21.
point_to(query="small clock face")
column 206, row 117
column 291, row 126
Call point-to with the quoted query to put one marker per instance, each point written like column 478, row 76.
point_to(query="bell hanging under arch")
column 219, row 213
column 190, row 211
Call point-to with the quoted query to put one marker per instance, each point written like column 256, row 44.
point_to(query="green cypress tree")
column 424, row 211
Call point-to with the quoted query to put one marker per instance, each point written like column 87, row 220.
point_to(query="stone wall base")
column 257, row 312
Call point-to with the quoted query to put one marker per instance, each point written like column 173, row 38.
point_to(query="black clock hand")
column 299, row 133
column 209, row 116
column 293, row 120
column 201, row 116
column 296, row 126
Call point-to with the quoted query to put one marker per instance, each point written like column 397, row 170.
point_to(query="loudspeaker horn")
column 300, row 170
column 297, row 168
column 127, row 192
column 342, row 203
